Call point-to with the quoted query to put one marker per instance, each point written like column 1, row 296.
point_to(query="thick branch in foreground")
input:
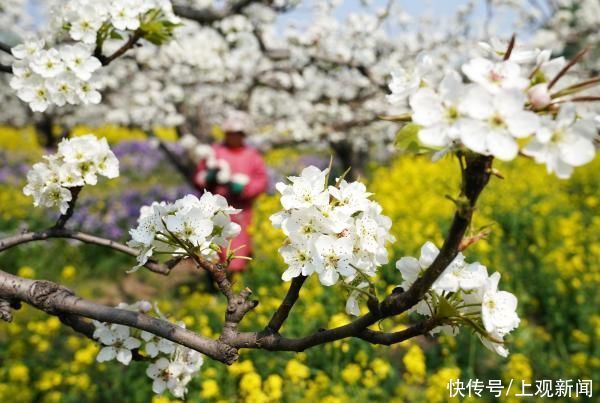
column 15, row 240
column 60, row 301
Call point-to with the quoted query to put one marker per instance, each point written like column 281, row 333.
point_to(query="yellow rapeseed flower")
column 49, row 380
column 518, row 367
column 241, row 367
column 87, row 355
column 68, row 272
column 339, row 319
column 351, row 374
column 381, row 368
column 18, row 373
column 209, row 389
column 273, row 387
column 26, row 271
column 437, row 385
column 296, row 371
column 414, row 363
column 250, row 382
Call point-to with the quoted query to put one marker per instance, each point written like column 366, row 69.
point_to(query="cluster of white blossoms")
column 64, row 75
column 504, row 107
column 172, row 365
column 189, row 225
column 463, row 294
column 44, row 77
column 77, row 162
column 334, row 231
column 84, row 19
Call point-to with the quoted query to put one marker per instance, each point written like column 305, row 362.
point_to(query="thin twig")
column 511, row 46
column 133, row 39
column 62, row 220
column 15, row 240
column 568, row 66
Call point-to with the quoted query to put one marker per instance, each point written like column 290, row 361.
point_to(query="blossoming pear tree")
column 514, row 103
column 332, row 73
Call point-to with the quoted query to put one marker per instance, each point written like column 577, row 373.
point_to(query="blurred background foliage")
column 545, row 242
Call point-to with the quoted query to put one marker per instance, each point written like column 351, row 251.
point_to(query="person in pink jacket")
column 237, row 172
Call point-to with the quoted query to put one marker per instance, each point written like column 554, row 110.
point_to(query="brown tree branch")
column 57, row 300
column 6, row 69
column 131, row 42
column 376, row 337
column 15, row 240
column 62, row 220
column 476, row 175
column 286, row 305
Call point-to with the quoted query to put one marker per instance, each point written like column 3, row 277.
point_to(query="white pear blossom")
column 48, row 63
column 505, row 104
column 497, row 48
column 191, row 225
column 78, row 162
column 350, row 197
column 306, row 190
column 563, row 143
column 299, row 259
column 27, row 49
column 495, row 76
column 352, row 303
column 439, row 113
column 165, row 375
column 125, row 14
column 36, row 67
column 539, row 96
column 469, row 291
column 117, row 341
column 496, row 345
column 406, row 82
column 204, row 224
column 498, row 309
column 55, row 76
column 497, row 120
column 333, row 231
column 175, row 372
column 333, row 258
column 78, row 58
column 173, row 365
column 154, row 347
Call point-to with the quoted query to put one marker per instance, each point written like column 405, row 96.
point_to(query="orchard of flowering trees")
column 365, row 86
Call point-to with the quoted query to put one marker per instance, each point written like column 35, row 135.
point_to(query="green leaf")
column 445, row 309
column 115, row 35
column 157, row 31
column 406, row 139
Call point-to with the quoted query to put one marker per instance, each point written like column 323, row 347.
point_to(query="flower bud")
column 144, row 306
column 539, row 96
